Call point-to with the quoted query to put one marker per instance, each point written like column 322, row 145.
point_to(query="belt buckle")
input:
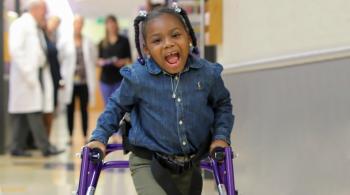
column 177, row 164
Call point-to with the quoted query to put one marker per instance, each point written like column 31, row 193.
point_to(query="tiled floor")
column 59, row 175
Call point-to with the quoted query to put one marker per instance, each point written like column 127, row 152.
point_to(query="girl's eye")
column 156, row 41
column 175, row 35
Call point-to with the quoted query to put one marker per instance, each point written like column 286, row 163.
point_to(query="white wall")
column 292, row 129
column 255, row 29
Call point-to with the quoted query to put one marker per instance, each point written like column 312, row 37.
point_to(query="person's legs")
column 184, row 182
column 30, row 141
column 41, row 139
column 145, row 184
column 38, row 130
column 20, row 131
column 84, row 100
column 114, row 87
column 48, row 118
column 105, row 88
column 142, row 177
column 108, row 89
column 70, row 113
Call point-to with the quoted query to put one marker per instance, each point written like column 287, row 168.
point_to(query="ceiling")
column 96, row 8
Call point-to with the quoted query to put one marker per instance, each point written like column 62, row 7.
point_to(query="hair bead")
column 176, row 7
column 143, row 13
column 141, row 60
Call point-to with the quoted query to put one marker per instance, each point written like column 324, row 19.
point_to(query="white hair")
column 29, row 4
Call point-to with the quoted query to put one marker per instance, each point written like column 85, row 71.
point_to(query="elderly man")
column 30, row 92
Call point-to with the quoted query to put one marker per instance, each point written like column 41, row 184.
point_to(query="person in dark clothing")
column 52, row 55
column 52, row 59
column 114, row 53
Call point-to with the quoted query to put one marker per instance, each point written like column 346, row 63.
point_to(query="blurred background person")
column 30, row 90
column 152, row 5
column 50, row 29
column 78, row 57
column 114, row 52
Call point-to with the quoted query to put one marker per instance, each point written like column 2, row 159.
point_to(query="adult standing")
column 78, row 57
column 114, row 53
column 50, row 29
column 30, row 90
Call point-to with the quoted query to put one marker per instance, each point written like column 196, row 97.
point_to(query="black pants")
column 80, row 91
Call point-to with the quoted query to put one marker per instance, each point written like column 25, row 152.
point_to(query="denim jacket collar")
column 192, row 62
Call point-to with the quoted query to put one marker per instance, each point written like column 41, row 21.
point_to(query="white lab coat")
column 68, row 59
column 27, row 56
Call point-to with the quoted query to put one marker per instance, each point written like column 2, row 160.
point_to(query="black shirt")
column 121, row 49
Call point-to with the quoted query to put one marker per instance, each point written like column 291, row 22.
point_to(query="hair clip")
column 143, row 13
column 195, row 50
column 141, row 60
column 176, row 7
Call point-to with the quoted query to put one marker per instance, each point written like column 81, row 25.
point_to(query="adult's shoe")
column 51, row 151
column 20, row 153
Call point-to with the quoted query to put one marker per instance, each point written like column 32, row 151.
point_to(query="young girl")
column 176, row 101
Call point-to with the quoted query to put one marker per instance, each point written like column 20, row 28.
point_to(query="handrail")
column 288, row 60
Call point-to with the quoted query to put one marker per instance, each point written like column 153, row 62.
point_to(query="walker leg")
column 229, row 172
column 91, row 166
column 94, row 176
column 84, row 170
column 218, row 173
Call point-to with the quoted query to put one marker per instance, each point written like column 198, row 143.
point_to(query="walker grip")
column 96, row 155
column 218, row 154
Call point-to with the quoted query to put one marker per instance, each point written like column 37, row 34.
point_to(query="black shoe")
column 20, row 153
column 51, row 151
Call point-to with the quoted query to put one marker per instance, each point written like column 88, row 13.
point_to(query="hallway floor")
column 59, row 174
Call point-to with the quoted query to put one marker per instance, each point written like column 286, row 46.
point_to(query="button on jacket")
column 171, row 114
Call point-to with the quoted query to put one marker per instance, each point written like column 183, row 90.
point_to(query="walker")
column 220, row 164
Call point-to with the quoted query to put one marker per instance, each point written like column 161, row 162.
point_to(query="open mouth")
column 172, row 58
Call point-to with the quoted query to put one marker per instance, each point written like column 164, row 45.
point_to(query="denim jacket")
column 162, row 123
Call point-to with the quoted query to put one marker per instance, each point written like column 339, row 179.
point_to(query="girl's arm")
column 121, row 101
column 222, row 107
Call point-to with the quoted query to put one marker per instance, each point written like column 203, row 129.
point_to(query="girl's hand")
column 97, row 144
column 101, row 62
column 217, row 143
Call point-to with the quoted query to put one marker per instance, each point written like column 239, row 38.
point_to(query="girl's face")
column 167, row 42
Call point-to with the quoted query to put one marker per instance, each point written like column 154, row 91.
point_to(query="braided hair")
column 143, row 18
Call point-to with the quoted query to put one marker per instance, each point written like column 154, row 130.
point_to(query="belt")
column 181, row 158
column 175, row 163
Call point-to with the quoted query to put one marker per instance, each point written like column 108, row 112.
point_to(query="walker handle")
column 218, row 154
column 96, row 155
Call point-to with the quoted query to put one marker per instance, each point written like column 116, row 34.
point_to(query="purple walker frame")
column 90, row 171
